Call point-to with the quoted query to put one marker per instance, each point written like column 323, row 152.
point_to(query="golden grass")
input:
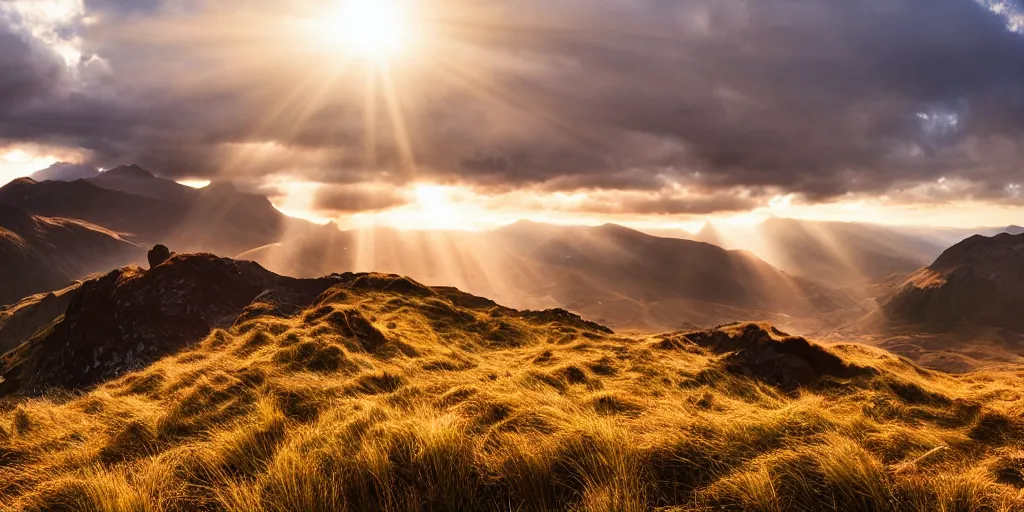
column 379, row 401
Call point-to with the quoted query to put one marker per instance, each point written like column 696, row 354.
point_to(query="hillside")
column 978, row 282
column 618, row 276
column 40, row 254
column 384, row 394
column 839, row 253
column 23, row 319
column 151, row 210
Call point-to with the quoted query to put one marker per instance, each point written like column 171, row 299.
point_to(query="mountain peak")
column 20, row 182
column 976, row 282
column 129, row 171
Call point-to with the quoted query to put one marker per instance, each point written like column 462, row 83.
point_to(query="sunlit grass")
column 387, row 401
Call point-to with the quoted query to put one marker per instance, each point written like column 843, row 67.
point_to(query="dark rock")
column 561, row 316
column 130, row 318
column 391, row 283
column 773, row 357
column 158, row 255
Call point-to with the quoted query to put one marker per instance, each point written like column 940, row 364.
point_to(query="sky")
column 473, row 113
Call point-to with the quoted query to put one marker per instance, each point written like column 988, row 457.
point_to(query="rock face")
column 42, row 254
column 764, row 353
column 978, row 282
column 157, row 255
column 131, row 317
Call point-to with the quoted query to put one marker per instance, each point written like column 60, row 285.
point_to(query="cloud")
column 342, row 199
column 30, row 71
column 63, row 171
column 811, row 97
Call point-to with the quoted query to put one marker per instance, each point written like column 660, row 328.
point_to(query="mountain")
column 375, row 392
column 40, row 254
column 150, row 210
column 22, row 320
column 135, row 180
column 979, row 281
column 619, row 276
column 838, row 253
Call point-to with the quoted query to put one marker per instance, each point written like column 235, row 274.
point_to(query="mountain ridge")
column 152, row 210
column 42, row 254
column 979, row 281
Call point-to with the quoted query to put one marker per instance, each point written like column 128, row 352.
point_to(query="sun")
column 374, row 29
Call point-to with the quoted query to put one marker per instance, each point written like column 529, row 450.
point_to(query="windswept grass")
column 394, row 401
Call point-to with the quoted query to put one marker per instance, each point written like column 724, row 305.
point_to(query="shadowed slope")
column 23, row 319
column 152, row 210
column 979, row 281
column 40, row 254
column 384, row 394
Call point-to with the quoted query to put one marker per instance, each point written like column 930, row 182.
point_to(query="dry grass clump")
column 386, row 396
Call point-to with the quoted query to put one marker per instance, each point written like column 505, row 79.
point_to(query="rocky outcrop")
column 764, row 353
column 132, row 317
column 158, row 255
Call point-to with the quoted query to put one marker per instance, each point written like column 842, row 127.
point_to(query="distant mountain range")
column 150, row 210
column 815, row 276
column 612, row 274
column 843, row 254
column 40, row 254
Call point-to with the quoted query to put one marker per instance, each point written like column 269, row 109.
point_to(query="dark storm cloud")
column 814, row 97
column 29, row 71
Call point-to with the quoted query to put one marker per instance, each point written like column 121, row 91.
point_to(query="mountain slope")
column 40, row 254
column 979, row 281
column 616, row 275
column 838, row 253
column 20, row 321
column 387, row 395
column 151, row 210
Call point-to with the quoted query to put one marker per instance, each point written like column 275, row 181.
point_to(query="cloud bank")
column 653, row 106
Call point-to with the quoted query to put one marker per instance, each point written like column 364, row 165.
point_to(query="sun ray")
column 490, row 90
column 370, row 119
column 398, row 126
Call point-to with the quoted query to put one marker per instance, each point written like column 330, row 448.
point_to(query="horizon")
column 655, row 225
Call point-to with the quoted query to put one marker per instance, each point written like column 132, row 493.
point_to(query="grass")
column 395, row 401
